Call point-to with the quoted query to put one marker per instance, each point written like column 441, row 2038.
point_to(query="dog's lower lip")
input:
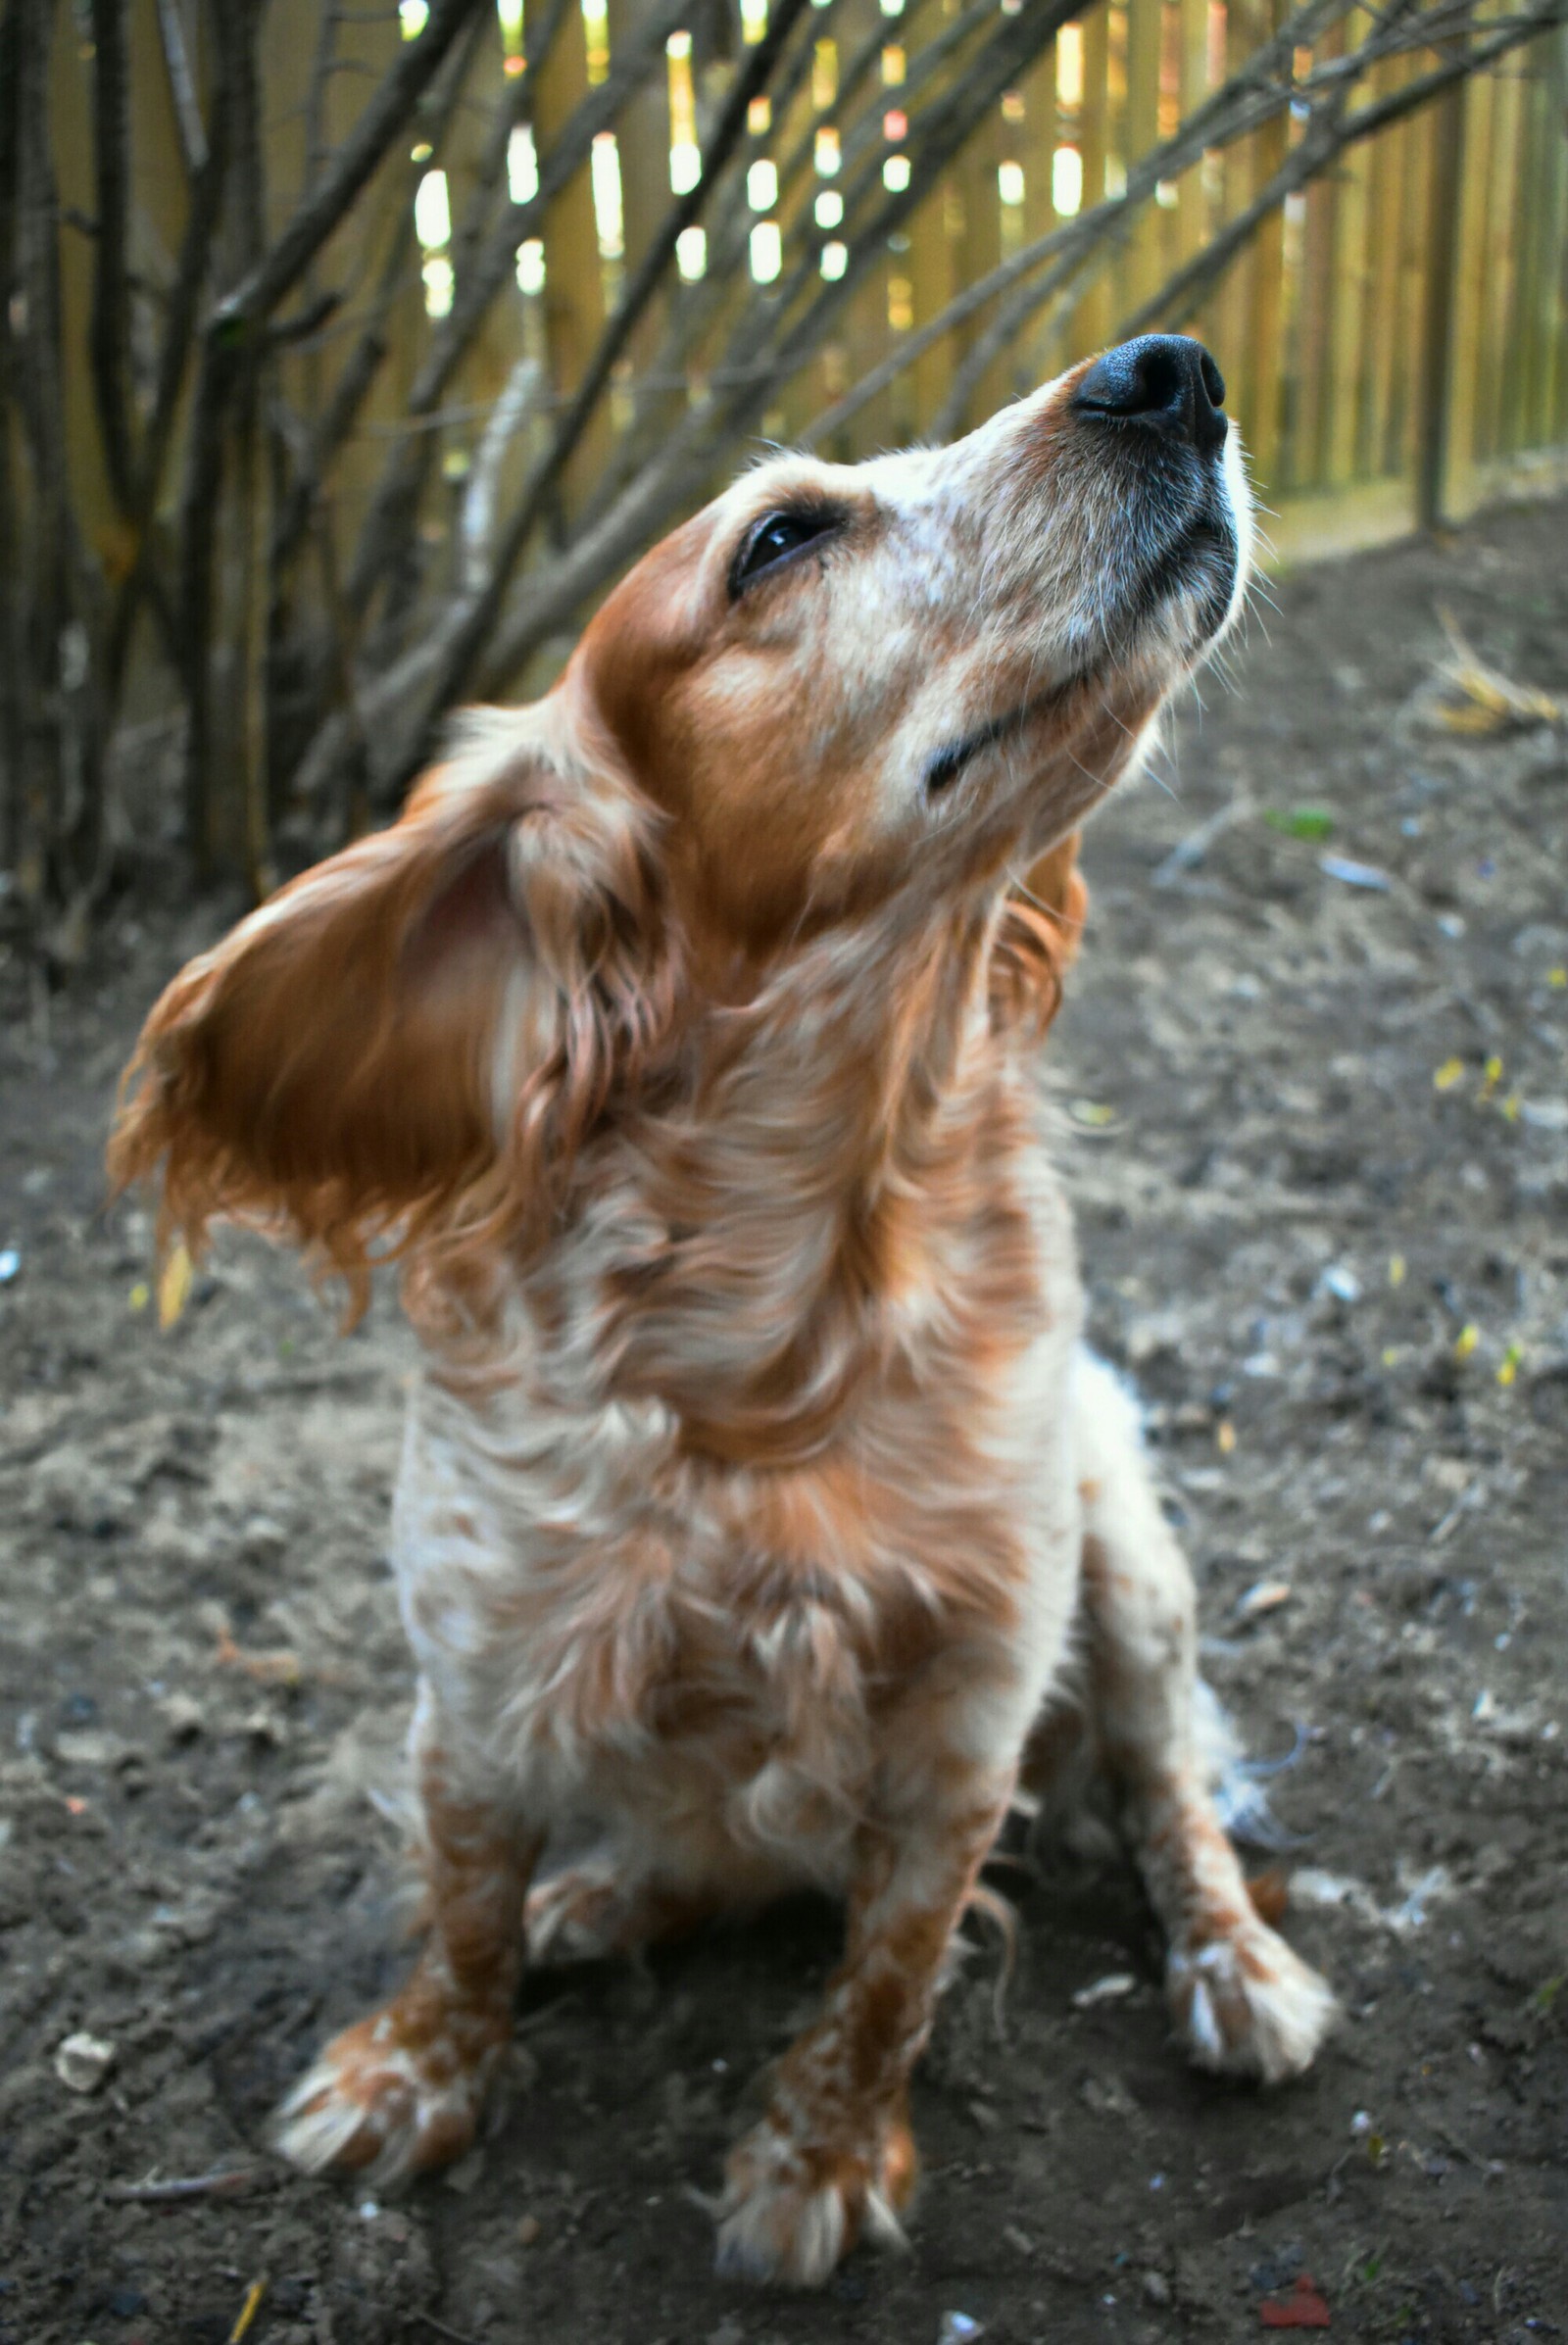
column 944, row 768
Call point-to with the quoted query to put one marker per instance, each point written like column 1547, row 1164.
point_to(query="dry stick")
column 690, row 317
column 477, row 523
column 252, row 481
column 225, row 2182
column 182, row 86
column 944, row 126
column 227, row 345
column 467, row 640
column 610, row 541
column 328, row 433
column 941, row 132
column 1243, row 103
column 109, row 326
column 608, row 538
column 456, row 2336
column 1268, row 81
column 1202, row 129
column 357, row 791
column 197, row 518
column 407, row 699
column 492, row 267
column 1334, row 132
column 59, row 588
column 11, row 624
column 384, row 119
column 143, row 577
column 695, row 315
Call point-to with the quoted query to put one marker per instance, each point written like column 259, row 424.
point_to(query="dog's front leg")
column 833, row 2155
column 401, row 2090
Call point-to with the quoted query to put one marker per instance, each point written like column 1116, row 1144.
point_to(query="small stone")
column 530, row 2230
column 82, row 2062
column 1156, row 2288
column 183, row 1716
column 90, row 1747
column 463, row 2177
column 1265, row 1595
column 1112, row 1988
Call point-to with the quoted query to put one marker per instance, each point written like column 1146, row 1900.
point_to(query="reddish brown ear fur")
column 1037, row 944
column 345, row 1062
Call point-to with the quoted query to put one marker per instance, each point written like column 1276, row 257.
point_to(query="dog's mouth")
column 945, row 766
column 1197, row 569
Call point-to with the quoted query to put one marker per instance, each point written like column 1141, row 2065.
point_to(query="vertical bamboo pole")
column 1553, row 408
column 1091, row 324
column 1142, row 268
column 1267, row 273
column 1392, row 164
column 1445, row 403
column 1495, row 382
column 1351, row 273
column 1318, row 319
column 1192, row 201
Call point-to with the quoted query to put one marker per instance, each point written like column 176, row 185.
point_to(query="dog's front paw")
column 389, row 2100
column 791, row 2208
column 1247, row 2006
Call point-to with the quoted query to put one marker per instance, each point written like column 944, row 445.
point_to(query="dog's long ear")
column 1037, row 942
column 412, row 1040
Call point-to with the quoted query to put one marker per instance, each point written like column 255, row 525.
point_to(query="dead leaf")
column 1304, row 2308
column 174, row 1286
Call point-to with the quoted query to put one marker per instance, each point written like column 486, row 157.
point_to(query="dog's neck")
column 774, row 1241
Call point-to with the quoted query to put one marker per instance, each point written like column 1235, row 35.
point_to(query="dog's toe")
column 375, row 2106
column 1248, row 2006
column 791, row 2210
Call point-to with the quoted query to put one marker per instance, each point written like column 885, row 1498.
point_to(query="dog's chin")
column 1177, row 609
column 1209, row 572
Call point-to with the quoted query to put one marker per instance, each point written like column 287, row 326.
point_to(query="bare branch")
column 182, row 86
column 384, row 119
column 109, row 329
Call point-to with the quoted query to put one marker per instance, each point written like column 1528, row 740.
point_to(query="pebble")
column 1111, row 1989
column 1265, row 1595
column 529, row 2230
column 1156, row 2288
column 82, row 2062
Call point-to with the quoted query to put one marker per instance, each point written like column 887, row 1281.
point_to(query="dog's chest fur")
column 719, row 1552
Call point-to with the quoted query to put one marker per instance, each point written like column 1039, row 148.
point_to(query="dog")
column 679, row 1041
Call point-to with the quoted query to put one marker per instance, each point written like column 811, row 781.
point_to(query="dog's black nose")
column 1167, row 383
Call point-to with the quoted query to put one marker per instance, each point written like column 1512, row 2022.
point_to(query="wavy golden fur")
column 680, row 1041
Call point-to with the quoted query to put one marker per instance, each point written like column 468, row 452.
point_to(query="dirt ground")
column 1318, row 1136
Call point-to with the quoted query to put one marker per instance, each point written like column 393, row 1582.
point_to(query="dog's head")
column 839, row 683
column 841, row 698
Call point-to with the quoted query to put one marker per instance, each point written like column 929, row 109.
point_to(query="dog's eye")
column 773, row 540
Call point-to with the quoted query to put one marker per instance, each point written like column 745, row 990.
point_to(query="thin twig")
column 441, row 2330
column 384, row 119
column 226, row 2182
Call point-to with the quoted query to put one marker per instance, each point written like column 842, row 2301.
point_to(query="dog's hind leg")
column 402, row 2090
column 1242, row 2001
